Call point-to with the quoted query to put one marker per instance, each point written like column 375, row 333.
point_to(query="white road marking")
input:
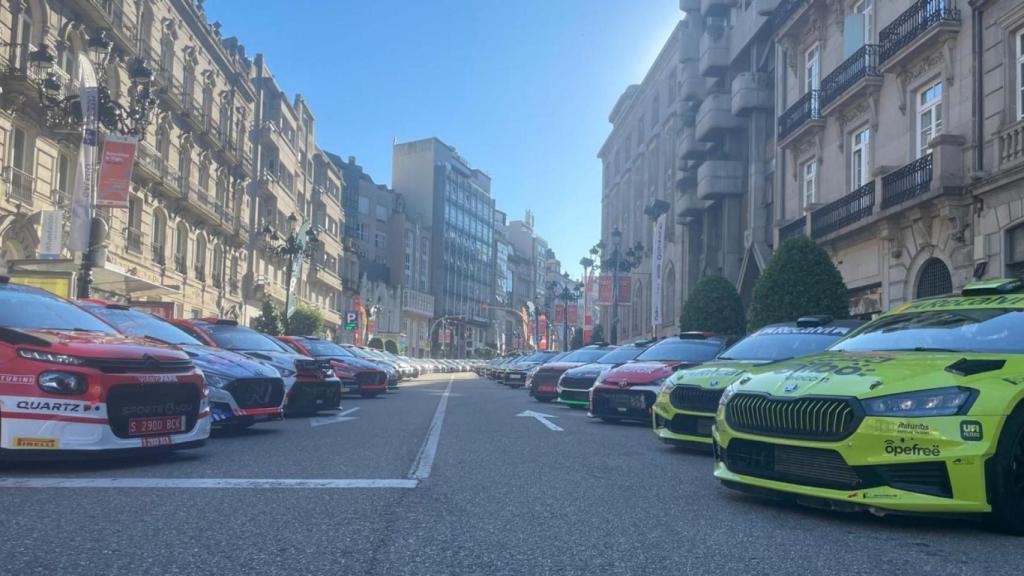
column 202, row 483
column 425, row 459
column 542, row 418
column 339, row 417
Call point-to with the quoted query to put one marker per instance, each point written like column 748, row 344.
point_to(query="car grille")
column 140, row 366
column 575, row 395
column 546, row 379
column 623, row 404
column 924, row 477
column 257, row 392
column 806, row 418
column 695, row 399
column 575, row 383
column 691, row 425
column 318, row 395
column 126, row 401
column 371, row 379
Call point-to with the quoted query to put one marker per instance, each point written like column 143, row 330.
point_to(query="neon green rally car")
column 919, row 411
column 684, row 411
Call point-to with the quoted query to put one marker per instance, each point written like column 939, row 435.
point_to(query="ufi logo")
column 900, row 448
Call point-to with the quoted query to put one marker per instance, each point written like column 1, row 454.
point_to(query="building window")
column 860, row 159
column 934, row 279
column 20, row 178
column 929, row 117
column 1020, row 75
column 63, row 178
column 181, row 249
column 159, row 235
column 812, row 68
column 810, row 183
column 218, row 266
column 200, row 263
column 364, row 205
column 866, row 8
column 1015, row 252
column 380, row 240
column 382, row 212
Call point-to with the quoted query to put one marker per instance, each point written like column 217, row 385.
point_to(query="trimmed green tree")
column 269, row 320
column 714, row 305
column 391, row 346
column 376, row 343
column 306, row 321
column 800, row 280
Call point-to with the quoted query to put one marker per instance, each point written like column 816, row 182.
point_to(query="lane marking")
column 203, row 483
column 425, row 459
column 542, row 418
column 339, row 417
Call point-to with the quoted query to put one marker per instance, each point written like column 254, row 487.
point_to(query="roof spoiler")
column 994, row 287
column 695, row 335
column 814, row 321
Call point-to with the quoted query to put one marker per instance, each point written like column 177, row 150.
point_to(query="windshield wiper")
column 159, row 340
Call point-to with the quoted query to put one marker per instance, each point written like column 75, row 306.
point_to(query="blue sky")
column 522, row 89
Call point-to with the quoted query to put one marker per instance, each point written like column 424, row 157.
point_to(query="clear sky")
column 521, row 88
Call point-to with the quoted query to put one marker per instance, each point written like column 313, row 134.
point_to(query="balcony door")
column 860, row 159
column 812, row 68
column 929, row 117
column 866, row 10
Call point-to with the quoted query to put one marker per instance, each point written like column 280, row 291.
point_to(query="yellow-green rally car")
column 919, row 411
column 684, row 411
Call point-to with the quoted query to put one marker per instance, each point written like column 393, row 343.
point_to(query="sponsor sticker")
column 151, row 441
column 55, row 406
column 157, row 378
column 36, row 443
column 971, row 431
column 17, row 379
column 901, row 448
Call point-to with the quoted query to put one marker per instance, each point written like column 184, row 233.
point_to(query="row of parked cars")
column 918, row 411
column 93, row 376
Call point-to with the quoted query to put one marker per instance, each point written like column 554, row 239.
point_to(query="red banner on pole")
column 116, row 171
column 605, row 295
column 574, row 314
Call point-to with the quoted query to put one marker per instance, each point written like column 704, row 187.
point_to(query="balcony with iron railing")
column 908, row 182
column 20, row 186
column 158, row 253
column 846, row 211
column 926, row 23
column 110, row 15
column 181, row 263
column 1011, row 146
column 793, row 229
column 800, row 118
column 169, row 180
column 148, row 163
column 854, row 78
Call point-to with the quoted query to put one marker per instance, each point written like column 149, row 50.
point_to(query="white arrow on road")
column 542, row 418
column 339, row 417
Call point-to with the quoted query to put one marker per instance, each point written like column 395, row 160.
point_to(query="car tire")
column 1005, row 472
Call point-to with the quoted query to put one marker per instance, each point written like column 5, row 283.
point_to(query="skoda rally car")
column 242, row 390
column 70, row 383
column 685, row 409
column 574, row 385
column 515, row 373
column 310, row 385
column 358, row 376
column 628, row 392
column 545, row 378
column 921, row 410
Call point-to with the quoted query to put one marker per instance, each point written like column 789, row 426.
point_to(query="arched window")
column 181, row 249
column 934, row 279
column 146, row 30
column 222, row 194
column 163, row 141
column 204, row 175
column 184, row 169
column 167, row 59
column 159, row 235
column 200, row 257
column 218, row 266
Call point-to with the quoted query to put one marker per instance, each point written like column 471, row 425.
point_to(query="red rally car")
column 629, row 391
column 358, row 376
column 545, row 380
column 71, row 384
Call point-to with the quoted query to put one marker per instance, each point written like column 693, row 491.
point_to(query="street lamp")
column 620, row 262
column 588, row 265
column 567, row 292
column 297, row 244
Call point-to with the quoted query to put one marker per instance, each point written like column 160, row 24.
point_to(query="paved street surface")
column 504, row 495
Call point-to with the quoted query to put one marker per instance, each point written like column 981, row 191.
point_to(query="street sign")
column 351, row 320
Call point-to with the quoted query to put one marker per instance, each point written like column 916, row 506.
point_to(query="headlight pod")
column 924, row 403
column 728, row 393
column 668, row 386
column 285, row 372
column 65, row 383
column 660, row 383
column 216, row 380
column 50, row 357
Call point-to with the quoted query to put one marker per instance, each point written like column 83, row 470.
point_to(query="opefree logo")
column 900, row 448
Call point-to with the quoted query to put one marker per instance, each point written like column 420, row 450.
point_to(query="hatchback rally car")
column 921, row 410
column 574, row 384
column 310, row 385
column 628, row 392
column 242, row 390
column 366, row 354
column 544, row 382
column 685, row 409
column 71, row 384
column 514, row 375
column 358, row 376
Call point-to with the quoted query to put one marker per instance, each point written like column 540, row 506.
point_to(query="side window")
column 1020, row 74
column 1015, row 252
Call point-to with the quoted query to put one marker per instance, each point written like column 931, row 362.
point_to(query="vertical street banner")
column 588, row 318
column 542, row 324
column 51, row 235
column 85, row 172
column 116, row 165
column 657, row 267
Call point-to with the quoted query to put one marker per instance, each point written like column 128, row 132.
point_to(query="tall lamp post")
column 566, row 292
column 620, row 262
column 298, row 244
column 588, row 265
column 65, row 113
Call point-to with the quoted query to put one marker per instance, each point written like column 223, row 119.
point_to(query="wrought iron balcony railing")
column 784, row 11
column 908, row 182
column 848, row 210
column 805, row 109
column 913, row 22
column 862, row 64
column 794, row 229
column 20, row 185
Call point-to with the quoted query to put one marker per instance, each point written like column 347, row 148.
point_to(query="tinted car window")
column 772, row 346
column 241, row 338
column 676, row 350
column 998, row 331
column 135, row 323
column 585, row 355
column 325, row 348
column 32, row 310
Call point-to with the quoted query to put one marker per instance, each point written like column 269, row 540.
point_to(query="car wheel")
column 1006, row 478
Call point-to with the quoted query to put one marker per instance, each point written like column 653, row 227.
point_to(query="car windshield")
column 325, row 348
column 143, row 324
column 983, row 330
column 242, row 338
column 620, row 355
column 681, row 350
column 584, row 355
column 780, row 343
column 539, row 357
column 29, row 309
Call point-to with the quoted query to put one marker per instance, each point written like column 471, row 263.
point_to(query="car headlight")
column 216, row 380
column 49, row 357
column 660, row 383
column 668, row 386
column 284, row 371
column 600, row 377
column 62, row 383
column 728, row 393
column 936, row 402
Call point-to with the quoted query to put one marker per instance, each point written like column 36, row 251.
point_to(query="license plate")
column 624, row 403
column 157, row 425
column 516, row 377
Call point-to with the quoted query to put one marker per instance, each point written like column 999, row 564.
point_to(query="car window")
column 620, row 355
column 242, row 338
column 142, row 324
column 32, row 310
column 325, row 348
column 681, row 350
column 585, row 355
column 988, row 330
column 772, row 346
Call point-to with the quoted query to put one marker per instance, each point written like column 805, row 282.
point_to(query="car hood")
column 870, row 374
column 560, row 366
column 522, row 366
column 588, row 370
column 352, row 362
column 99, row 345
column 276, row 359
column 717, row 374
column 640, row 373
column 228, row 363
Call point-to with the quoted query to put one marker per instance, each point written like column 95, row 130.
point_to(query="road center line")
column 203, row 483
column 425, row 459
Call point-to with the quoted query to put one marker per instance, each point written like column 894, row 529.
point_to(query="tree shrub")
column 714, row 305
column 800, row 280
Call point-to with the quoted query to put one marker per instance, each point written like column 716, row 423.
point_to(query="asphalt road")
column 504, row 495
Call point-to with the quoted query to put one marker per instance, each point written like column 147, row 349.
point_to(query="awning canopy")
column 110, row 278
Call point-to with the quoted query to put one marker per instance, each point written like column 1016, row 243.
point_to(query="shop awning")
column 110, row 278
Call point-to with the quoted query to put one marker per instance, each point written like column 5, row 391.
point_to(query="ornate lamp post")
column 302, row 244
column 620, row 262
column 64, row 113
column 566, row 291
